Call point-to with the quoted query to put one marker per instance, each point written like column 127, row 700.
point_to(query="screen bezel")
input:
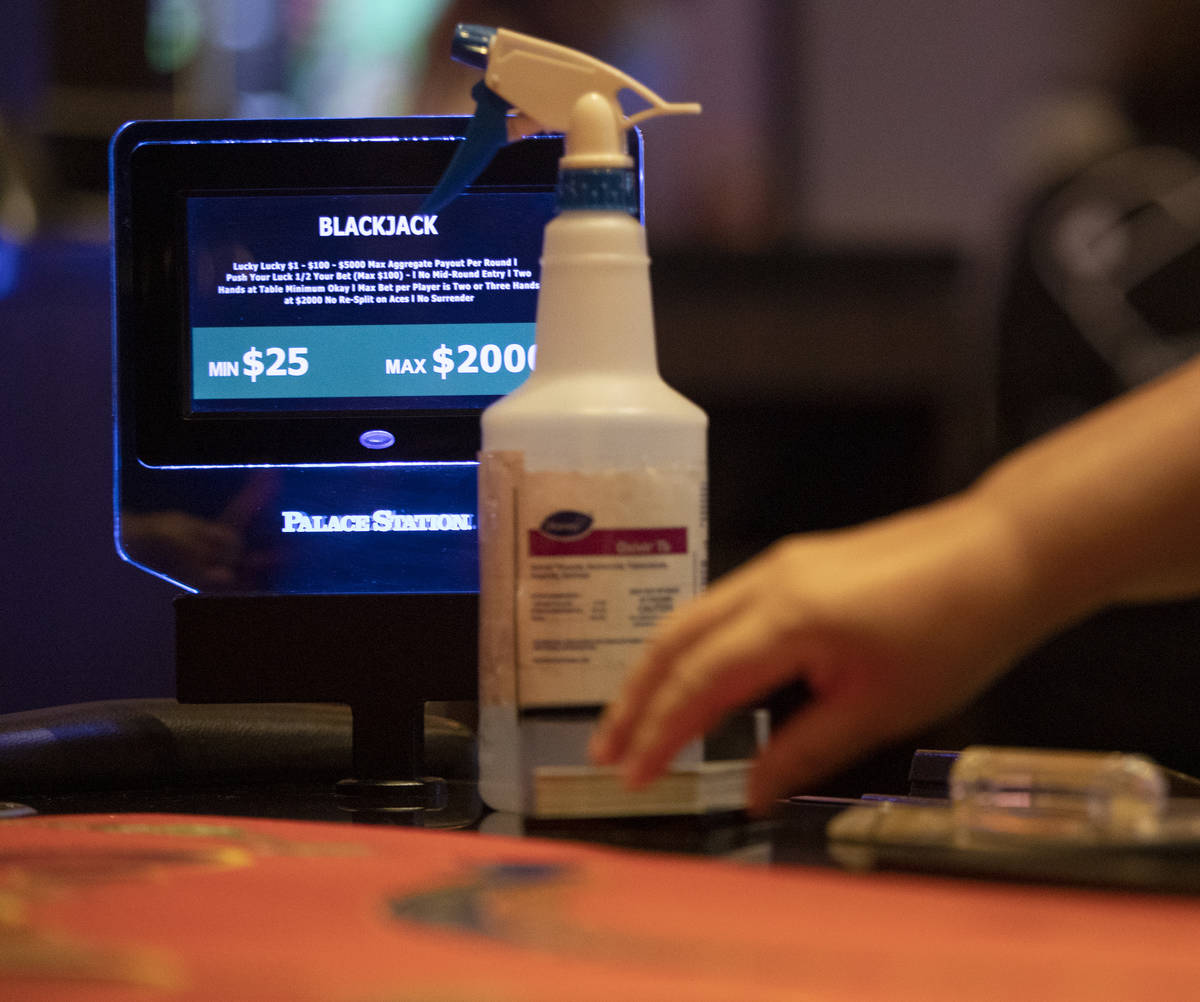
column 155, row 165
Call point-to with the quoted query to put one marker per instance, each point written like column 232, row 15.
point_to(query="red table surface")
column 134, row 907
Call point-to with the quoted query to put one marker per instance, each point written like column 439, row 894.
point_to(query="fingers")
column 736, row 643
column 827, row 735
column 684, row 630
column 611, row 738
column 737, row 662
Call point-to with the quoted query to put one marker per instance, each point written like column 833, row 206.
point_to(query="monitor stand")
column 383, row 655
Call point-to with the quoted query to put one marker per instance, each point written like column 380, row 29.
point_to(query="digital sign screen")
column 302, row 351
column 360, row 301
column 283, row 297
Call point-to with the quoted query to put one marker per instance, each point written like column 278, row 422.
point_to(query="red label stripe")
column 611, row 543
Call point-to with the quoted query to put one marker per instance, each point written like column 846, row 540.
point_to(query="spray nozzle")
column 553, row 89
column 487, row 132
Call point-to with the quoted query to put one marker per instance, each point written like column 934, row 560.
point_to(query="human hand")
column 893, row 625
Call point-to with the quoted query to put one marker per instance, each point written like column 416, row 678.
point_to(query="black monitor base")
column 383, row 655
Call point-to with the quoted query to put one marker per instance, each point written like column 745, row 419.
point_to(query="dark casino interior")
column 841, row 267
column 469, row 658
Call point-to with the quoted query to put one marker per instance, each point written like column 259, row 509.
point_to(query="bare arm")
column 896, row 623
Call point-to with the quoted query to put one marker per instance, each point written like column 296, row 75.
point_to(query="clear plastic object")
column 1059, row 796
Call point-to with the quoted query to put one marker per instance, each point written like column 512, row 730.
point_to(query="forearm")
column 1107, row 510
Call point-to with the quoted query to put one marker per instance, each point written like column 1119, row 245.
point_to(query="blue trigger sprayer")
column 593, row 473
column 552, row 89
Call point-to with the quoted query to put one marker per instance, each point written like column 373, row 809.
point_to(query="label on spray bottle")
column 576, row 571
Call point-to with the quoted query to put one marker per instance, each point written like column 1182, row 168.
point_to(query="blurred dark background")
column 841, row 265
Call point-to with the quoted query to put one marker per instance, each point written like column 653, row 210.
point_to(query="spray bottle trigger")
column 486, row 133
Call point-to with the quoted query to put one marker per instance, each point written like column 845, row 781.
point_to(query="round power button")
column 377, row 438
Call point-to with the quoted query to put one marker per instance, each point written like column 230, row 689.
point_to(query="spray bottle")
column 593, row 477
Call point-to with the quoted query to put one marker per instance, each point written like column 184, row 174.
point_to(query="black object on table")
column 384, row 656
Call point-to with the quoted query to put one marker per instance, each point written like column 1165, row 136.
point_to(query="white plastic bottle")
column 592, row 501
column 593, row 473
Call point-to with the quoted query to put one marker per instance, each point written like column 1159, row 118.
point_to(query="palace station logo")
column 382, row 520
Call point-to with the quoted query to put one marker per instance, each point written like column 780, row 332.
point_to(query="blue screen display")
column 302, row 351
column 361, row 301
